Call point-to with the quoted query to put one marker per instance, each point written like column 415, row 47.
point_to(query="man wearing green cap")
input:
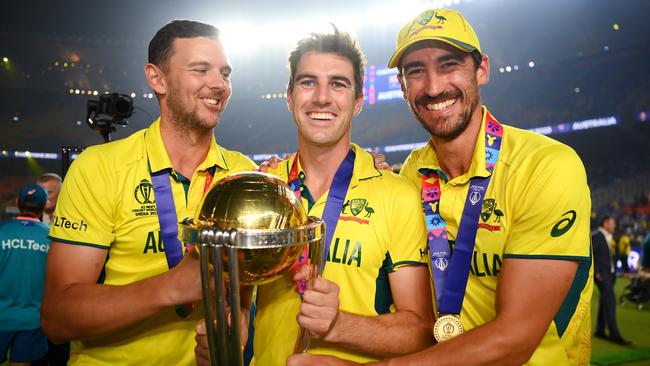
column 507, row 214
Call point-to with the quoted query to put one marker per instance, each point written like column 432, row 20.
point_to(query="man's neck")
column 455, row 156
column 320, row 165
column 187, row 148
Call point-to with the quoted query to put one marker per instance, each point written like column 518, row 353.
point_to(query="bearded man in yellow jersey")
column 374, row 299
column 507, row 215
column 117, row 275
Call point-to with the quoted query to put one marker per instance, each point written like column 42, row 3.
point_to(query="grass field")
column 634, row 325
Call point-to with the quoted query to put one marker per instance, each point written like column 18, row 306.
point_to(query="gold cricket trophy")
column 250, row 230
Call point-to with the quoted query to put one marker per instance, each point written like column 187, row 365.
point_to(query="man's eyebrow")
column 412, row 64
column 198, row 63
column 451, row 56
column 439, row 60
column 307, row 75
column 342, row 78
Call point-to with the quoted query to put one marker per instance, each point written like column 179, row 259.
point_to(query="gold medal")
column 447, row 326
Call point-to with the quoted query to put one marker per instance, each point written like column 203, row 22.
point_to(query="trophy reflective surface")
column 250, row 229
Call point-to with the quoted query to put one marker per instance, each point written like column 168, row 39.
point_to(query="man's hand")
column 380, row 161
column 319, row 311
column 271, row 163
column 201, row 350
column 185, row 280
column 313, row 360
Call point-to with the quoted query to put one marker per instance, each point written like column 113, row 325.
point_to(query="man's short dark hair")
column 161, row 45
column 604, row 219
column 339, row 43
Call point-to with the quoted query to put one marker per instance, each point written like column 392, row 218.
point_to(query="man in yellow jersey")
column 518, row 282
column 374, row 298
column 109, row 285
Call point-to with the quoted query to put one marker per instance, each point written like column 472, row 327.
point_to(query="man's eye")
column 200, row 71
column 414, row 71
column 307, row 83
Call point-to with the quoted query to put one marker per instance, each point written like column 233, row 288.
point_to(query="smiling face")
column 196, row 83
column 323, row 99
column 441, row 85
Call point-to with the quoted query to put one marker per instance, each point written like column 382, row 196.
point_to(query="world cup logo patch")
column 144, row 193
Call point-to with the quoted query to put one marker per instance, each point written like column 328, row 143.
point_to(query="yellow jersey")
column 380, row 229
column 107, row 201
column 537, row 206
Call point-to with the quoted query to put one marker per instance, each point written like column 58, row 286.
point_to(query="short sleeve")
column 408, row 241
column 552, row 206
column 84, row 211
column 409, row 169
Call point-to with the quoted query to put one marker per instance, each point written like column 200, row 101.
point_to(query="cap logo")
column 425, row 17
column 441, row 19
column 31, row 192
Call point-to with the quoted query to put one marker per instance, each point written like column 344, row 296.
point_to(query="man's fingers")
column 319, row 328
column 201, row 351
column 312, row 311
column 264, row 167
column 303, row 273
column 322, row 285
column 272, row 163
column 200, row 327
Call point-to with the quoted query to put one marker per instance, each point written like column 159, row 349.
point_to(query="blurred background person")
column 52, row 184
column 23, row 253
column 604, row 277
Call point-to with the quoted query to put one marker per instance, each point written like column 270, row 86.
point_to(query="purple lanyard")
column 450, row 275
column 168, row 222
column 333, row 204
column 167, row 218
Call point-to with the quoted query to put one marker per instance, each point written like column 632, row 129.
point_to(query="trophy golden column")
column 250, row 230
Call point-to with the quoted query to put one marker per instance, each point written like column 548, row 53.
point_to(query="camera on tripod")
column 109, row 110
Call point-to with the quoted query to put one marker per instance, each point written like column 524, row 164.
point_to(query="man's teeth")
column 211, row 101
column 320, row 115
column 441, row 105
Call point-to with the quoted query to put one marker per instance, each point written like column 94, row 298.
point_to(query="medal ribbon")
column 450, row 275
column 168, row 222
column 333, row 206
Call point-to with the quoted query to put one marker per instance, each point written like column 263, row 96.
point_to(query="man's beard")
column 187, row 120
column 443, row 129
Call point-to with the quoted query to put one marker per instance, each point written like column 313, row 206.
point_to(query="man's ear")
column 289, row 102
column 400, row 78
column 358, row 105
column 155, row 78
column 483, row 71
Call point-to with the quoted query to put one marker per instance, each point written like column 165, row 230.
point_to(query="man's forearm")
column 84, row 310
column 489, row 344
column 385, row 335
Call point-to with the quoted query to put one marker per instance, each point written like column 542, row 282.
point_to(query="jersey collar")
column 159, row 158
column 477, row 166
column 364, row 165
